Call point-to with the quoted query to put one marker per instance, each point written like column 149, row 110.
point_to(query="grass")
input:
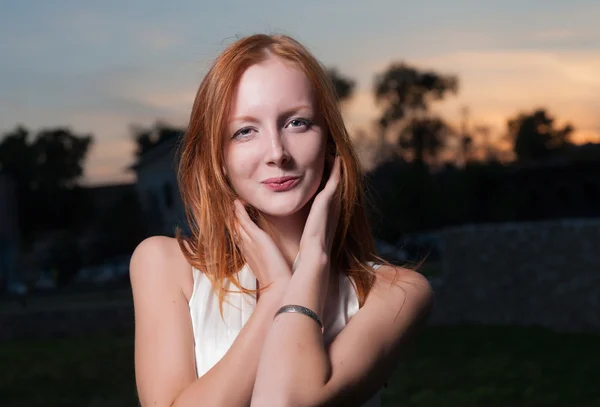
column 498, row 366
column 68, row 372
column 449, row 366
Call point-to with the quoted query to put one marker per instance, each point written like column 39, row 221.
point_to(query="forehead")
column 272, row 84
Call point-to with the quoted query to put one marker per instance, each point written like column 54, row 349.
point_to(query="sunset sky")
column 102, row 66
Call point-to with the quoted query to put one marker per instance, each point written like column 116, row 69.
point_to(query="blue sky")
column 100, row 67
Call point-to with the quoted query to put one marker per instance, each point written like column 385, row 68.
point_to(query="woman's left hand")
column 322, row 220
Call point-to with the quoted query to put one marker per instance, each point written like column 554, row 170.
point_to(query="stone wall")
column 111, row 317
column 535, row 273
column 539, row 273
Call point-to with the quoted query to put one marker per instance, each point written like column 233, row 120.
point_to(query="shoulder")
column 159, row 260
column 156, row 251
column 401, row 286
column 388, row 273
column 164, row 340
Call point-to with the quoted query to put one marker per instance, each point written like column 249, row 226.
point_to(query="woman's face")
column 275, row 139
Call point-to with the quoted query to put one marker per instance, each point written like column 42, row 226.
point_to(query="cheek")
column 310, row 155
column 310, row 151
column 239, row 166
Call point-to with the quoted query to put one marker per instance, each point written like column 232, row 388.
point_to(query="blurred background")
column 477, row 123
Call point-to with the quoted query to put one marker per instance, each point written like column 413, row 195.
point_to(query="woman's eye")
column 299, row 123
column 241, row 133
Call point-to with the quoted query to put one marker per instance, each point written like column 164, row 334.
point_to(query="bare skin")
column 275, row 131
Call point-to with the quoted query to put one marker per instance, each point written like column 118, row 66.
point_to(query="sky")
column 101, row 67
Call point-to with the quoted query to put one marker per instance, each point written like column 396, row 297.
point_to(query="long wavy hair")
column 208, row 197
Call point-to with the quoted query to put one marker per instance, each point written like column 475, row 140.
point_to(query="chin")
column 284, row 204
column 280, row 208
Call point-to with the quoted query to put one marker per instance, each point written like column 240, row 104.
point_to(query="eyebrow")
column 285, row 113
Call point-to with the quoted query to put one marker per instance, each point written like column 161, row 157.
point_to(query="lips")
column 279, row 180
column 281, row 184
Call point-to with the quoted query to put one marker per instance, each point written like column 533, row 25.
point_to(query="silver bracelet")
column 301, row 310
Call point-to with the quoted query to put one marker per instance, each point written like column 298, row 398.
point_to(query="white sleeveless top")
column 213, row 335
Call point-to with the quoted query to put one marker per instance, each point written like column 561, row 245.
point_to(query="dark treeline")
column 409, row 197
column 432, row 175
column 428, row 174
column 46, row 167
column 57, row 217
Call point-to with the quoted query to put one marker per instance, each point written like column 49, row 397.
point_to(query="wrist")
column 315, row 255
column 276, row 288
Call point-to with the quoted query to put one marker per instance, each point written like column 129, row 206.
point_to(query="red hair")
column 208, row 197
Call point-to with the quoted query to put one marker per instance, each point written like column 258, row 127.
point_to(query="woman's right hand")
column 260, row 251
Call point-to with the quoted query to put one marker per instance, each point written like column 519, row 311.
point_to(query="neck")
column 287, row 232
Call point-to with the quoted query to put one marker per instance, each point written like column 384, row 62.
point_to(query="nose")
column 277, row 153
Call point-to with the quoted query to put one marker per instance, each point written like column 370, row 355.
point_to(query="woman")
column 273, row 192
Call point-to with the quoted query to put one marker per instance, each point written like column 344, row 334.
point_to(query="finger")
column 243, row 218
column 334, row 177
column 242, row 236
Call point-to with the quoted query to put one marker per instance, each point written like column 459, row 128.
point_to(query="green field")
column 449, row 366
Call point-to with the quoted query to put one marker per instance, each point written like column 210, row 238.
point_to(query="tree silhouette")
column 424, row 137
column 405, row 94
column 344, row 87
column 17, row 157
column 534, row 136
column 53, row 160
column 45, row 169
column 59, row 156
column 147, row 138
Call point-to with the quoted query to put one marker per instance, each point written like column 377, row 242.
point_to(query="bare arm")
column 296, row 360
column 296, row 369
column 164, row 345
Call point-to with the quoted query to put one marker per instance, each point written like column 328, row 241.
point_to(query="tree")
column 46, row 169
column 424, row 137
column 534, row 136
column 53, row 160
column 406, row 94
column 344, row 87
column 16, row 156
column 148, row 138
column 59, row 156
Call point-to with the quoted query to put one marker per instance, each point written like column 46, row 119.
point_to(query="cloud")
column 166, row 101
column 499, row 84
column 157, row 39
column 560, row 34
column 100, row 67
